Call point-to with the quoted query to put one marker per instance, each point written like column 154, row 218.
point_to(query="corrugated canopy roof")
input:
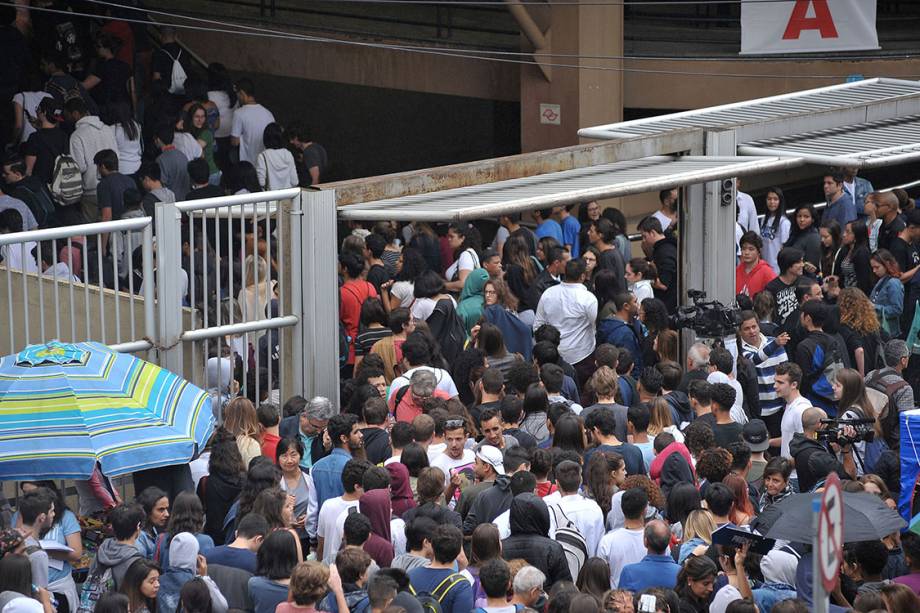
column 835, row 97
column 868, row 145
column 561, row 188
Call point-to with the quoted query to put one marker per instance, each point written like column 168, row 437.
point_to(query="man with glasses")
column 309, row 426
column 457, row 462
column 406, row 403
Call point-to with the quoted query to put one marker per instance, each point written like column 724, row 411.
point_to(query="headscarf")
column 218, row 375
column 375, row 504
column 471, row 298
column 518, row 336
column 400, row 488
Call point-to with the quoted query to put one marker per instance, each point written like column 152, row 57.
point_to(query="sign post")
column 827, row 551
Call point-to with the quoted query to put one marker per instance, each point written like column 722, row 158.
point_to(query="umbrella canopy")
column 65, row 407
column 865, row 518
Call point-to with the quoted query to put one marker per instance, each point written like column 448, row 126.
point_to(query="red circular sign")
column 830, row 533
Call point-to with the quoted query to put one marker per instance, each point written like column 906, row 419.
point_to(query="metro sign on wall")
column 807, row 26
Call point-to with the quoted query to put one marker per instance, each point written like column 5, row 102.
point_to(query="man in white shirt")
column 747, row 211
column 721, row 363
column 667, row 214
column 584, row 513
column 787, row 380
column 249, row 122
column 626, row 545
column 328, row 536
column 457, row 461
column 571, row 309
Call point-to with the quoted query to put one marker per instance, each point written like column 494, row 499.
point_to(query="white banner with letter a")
column 807, row 26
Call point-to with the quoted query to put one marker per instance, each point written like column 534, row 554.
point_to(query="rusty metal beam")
column 428, row 180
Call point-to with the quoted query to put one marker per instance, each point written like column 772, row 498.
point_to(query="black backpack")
column 447, row 329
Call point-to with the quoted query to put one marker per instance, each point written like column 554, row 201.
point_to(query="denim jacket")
column 888, row 297
column 327, row 475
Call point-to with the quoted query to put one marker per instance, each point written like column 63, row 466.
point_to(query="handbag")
column 913, row 342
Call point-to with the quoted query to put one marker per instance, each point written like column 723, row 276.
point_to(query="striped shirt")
column 766, row 357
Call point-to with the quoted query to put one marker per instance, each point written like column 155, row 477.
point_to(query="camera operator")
column 853, row 403
column 805, row 444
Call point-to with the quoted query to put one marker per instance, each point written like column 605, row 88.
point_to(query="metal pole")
column 169, row 299
column 819, row 596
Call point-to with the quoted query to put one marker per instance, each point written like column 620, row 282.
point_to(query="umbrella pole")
column 819, row 595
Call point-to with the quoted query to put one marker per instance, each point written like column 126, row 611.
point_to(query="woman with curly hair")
column 712, row 466
column 859, row 328
column 241, row 421
column 656, row 502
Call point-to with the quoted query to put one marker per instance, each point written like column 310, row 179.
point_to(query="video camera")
column 708, row 319
column 832, row 433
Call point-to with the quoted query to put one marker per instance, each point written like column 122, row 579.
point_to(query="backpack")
column 99, row 582
column 177, row 77
column 830, row 366
column 68, row 45
column 66, row 185
column 886, row 409
column 42, row 205
column 447, row 329
column 431, row 601
column 573, row 542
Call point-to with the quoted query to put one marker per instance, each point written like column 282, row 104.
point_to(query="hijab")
column 400, row 488
column 471, row 298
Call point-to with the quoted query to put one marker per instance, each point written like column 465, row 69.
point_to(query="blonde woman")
column 698, row 529
column 660, row 420
column 240, row 420
column 257, row 293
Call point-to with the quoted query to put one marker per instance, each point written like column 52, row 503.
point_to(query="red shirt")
column 352, row 295
column 545, row 489
column 270, row 445
column 752, row 283
column 408, row 409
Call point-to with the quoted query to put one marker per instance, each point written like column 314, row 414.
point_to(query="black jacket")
column 801, row 449
column 679, row 403
column 529, row 522
column 441, row 515
column 675, row 470
column 489, row 504
column 664, row 254
column 543, row 282
column 218, row 493
column 290, row 428
column 376, row 445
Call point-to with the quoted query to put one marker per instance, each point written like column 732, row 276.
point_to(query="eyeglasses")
column 451, row 424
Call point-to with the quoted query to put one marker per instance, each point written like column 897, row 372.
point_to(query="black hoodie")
column 664, row 254
column 679, row 403
column 489, row 504
column 801, row 449
column 529, row 523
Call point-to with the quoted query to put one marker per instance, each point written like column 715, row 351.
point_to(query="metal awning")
column 868, row 145
column 561, row 188
column 869, row 99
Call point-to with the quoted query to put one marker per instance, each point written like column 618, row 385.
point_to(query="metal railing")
column 202, row 279
column 66, row 289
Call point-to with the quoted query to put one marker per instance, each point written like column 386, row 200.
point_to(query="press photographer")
column 810, row 442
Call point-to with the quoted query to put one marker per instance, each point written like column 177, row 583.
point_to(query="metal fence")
column 203, row 286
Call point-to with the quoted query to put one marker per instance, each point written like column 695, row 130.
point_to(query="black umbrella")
column 865, row 518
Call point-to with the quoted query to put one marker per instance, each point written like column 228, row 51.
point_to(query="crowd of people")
column 517, row 429
column 101, row 125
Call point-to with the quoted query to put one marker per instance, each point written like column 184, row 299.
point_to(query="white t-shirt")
column 445, row 382
column 249, row 123
column 434, row 450
column 129, row 151
column 187, row 144
column 737, row 410
column 501, row 237
column 15, row 259
column 222, row 100
column 724, row 597
column 447, row 463
column 326, row 526
column 747, row 213
column 584, row 513
column 792, row 423
column 29, row 102
column 422, row 308
column 664, row 219
column 403, row 291
column 468, row 260
column 619, row 548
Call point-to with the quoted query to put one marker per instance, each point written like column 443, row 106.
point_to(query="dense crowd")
column 517, row 429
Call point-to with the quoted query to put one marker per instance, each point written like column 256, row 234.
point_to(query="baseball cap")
column 492, row 456
column 756, row 436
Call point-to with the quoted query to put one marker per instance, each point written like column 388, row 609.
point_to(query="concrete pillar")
column 577, row 97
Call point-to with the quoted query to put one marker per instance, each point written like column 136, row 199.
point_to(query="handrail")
column 101, row 227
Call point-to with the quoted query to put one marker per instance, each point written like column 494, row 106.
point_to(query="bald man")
column 886, row 208
column 806, row 444
column 655, row 569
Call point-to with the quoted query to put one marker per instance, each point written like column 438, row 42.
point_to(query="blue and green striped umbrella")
column 64, row 407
